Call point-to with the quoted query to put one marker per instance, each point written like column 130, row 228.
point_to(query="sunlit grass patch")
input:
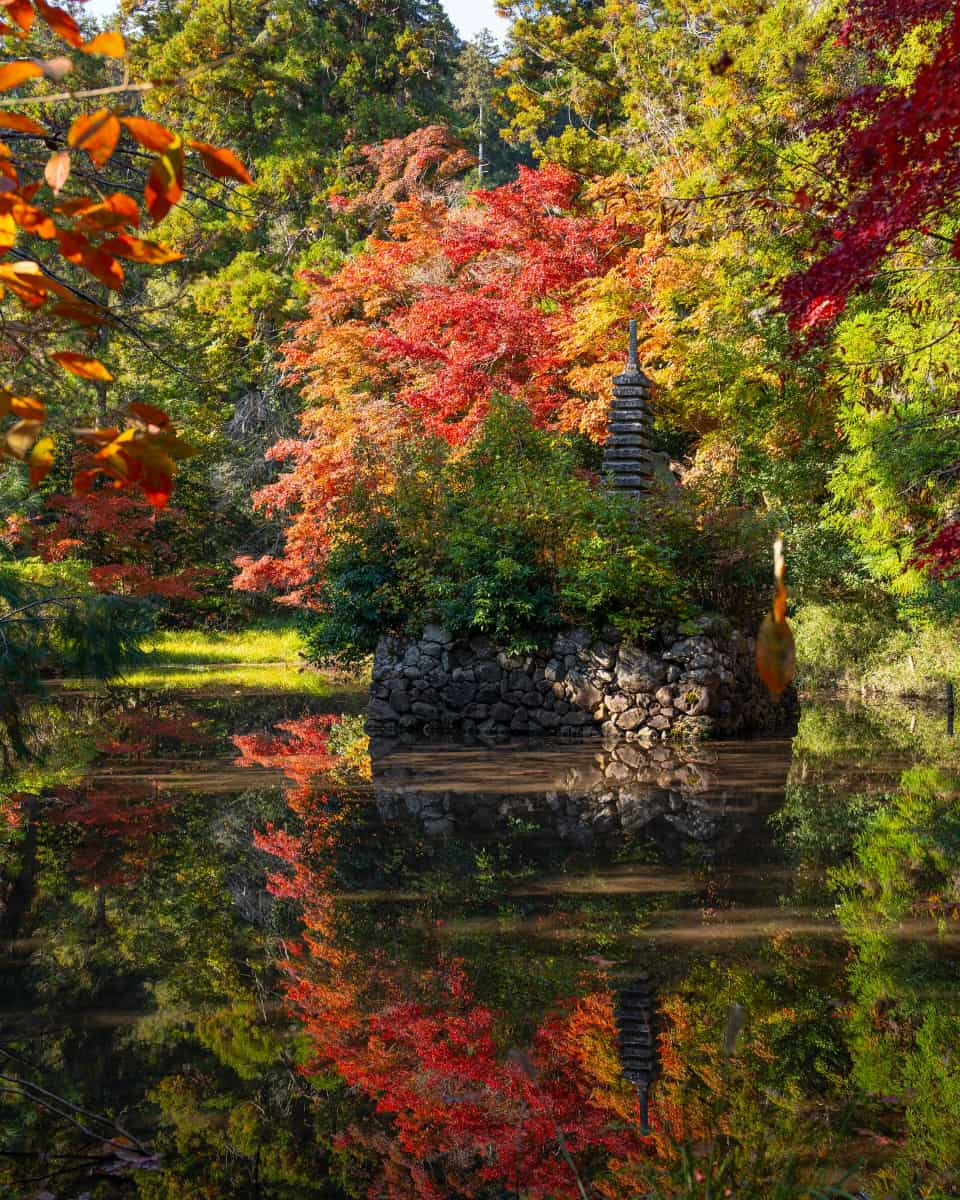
column 269, row 642
column 270, row 677
column 264, row 658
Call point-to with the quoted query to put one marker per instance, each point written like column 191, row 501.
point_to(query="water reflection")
column 583, row 795
column 268, row 960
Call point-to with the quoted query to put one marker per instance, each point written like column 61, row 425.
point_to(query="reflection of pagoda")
column 636, row 1017
column 628, row 456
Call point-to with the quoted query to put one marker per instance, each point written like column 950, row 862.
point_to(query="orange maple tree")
column 458, row 1112
column 66, row 215
column 412, row 337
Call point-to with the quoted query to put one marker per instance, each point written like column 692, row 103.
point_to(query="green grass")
column 263, row 658
column 850, row 648
column 267, row 643
column 268, row 678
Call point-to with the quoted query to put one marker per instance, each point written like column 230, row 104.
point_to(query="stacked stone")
column 700, row 686
column 628, row 455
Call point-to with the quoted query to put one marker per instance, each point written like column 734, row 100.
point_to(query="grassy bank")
column 265, row 657
column 268, row 643
column 851, row 648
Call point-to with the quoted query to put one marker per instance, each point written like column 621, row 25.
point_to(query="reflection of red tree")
column 117, row 822
column 135, row 732
column 303, row 755
column 464, row 1114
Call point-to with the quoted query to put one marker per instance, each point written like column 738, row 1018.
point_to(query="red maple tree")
column 124, row 538
column 414, row 335
column 898, row 163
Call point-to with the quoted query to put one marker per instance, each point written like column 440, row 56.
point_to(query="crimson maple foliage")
column 422, row 164
column 121, row 536
column 941, row 555
column 414, row 335
column 465, row 1114
column 898, row 162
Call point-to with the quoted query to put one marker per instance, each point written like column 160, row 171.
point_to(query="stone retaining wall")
column 700, row 685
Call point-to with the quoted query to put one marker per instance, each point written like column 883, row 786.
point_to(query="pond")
column 247, row 953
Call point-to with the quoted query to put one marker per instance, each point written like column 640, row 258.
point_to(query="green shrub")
column 510, row 537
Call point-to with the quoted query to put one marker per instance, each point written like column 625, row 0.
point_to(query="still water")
column 246, row 953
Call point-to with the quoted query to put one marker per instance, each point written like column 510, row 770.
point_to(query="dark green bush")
column 509, row 537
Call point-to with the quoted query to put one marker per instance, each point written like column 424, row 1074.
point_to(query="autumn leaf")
column 776, row 651
column 97, row 133
column 26, row 280
column 22, row 124
column 76, row 248
column 25, row 407
column 113, row 213
column 34, row 220
column 60, row 22
column 41, row 460
column 148, row 414
column 150, row 134
column 138, row 250
column 57, row 170
column 222, row 164
column 12, row 74
column 79, row 364
column 80, row 313
column 22, row 12
column 110, row 44
column 8, row 231
column 104, row 267
column 165, row 182
column 21, row 437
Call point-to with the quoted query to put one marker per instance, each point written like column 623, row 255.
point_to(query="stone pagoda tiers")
column 627, row 456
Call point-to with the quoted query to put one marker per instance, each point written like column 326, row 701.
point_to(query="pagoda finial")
column 632, row 364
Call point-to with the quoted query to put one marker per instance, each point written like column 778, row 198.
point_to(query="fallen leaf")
column 776, row 650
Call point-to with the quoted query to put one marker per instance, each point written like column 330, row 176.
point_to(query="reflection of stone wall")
column 678, row 793
column 704, row 686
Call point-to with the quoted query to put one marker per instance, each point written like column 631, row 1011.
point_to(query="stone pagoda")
column 627, row 456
